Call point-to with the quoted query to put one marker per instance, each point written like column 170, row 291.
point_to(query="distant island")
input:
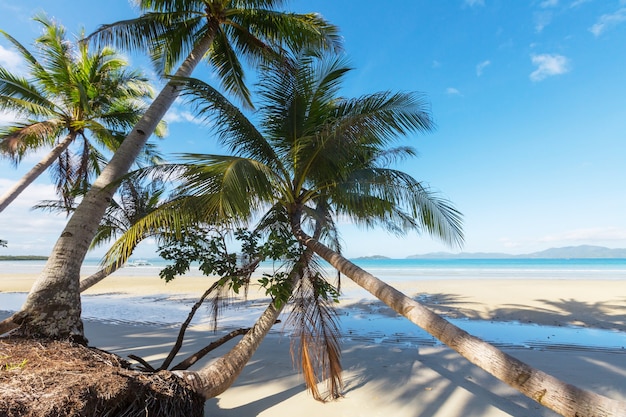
column 568, row 252
column 371, row 257
column 23, row 258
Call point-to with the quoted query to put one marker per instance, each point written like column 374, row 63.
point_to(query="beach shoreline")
column 404, row 380
column 595, row 303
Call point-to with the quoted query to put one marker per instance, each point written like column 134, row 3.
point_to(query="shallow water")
column 356, row 324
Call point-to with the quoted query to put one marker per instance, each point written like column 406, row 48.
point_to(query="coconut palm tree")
column 299, row 163
column 172, row 31
column 133, row 201
column 72, row 96
column 317, row 156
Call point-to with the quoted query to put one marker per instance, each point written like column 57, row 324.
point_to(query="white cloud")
column 481, row 67
column 11, row 60
column 452, row 91
column 178, row 116
column 549, row 65
column 578, row 3
column 542, row 20
column 608, row 21
column 29, row 232
column 549, row 3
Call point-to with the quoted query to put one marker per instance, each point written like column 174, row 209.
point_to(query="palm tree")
column 134, row 200
column 318, row 156
column 282, row 171
column 71, row 96
column 172, row 30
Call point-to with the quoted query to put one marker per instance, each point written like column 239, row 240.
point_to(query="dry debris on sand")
column 54, row 378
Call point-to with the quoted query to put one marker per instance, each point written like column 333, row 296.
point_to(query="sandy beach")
column 386, row 379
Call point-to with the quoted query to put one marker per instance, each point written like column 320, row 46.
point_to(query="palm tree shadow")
column 402, row 377
column 603, row 315
column 253, row 408
column 450, row 305
column 433, row 378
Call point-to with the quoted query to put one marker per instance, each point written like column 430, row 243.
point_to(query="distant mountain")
column 462, row 255
column 583, row 251
column 371, row 257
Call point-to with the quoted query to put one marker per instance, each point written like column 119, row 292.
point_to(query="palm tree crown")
column 253, row 29
column 71, row 96
column 315, row 150
column 314, row 157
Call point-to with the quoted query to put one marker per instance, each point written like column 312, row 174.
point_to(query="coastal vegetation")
column 22, row 257
column 308, row 158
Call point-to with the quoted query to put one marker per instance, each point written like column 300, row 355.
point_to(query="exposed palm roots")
column 54, row 378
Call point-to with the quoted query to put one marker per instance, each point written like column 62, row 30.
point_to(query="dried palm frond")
column 315, row 346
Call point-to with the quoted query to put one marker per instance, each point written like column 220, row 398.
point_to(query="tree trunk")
column 563, row 398
column 217, row 377
column 53, row 307
column 11, row 323
column 97, row 276
column 35, row 171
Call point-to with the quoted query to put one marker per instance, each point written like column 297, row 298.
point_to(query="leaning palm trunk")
column 53, row 307
column 35, row 171
column 97, row 276
column 217, row 377
column 563, row 398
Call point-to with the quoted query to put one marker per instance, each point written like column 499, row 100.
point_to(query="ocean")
column 405, row 269
column 356, row 325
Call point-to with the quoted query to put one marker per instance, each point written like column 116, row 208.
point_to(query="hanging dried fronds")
column 315, row 346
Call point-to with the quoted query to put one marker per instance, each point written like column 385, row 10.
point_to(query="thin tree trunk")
column 53, row 307
column 97, row 276
column 11, row 194
column 563, row 398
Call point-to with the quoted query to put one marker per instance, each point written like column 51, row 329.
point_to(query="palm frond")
column 316, row 335
column 231, row 186
column 168, row 220
column 398, row 202
column 17, row 94
column 304, row 31
column 167, row 35
column 20, row 138
column 230, row 71
column 234, row 129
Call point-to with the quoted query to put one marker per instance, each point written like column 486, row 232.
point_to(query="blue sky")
column 529, row 99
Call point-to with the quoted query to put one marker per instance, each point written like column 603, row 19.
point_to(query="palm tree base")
column 55, row 378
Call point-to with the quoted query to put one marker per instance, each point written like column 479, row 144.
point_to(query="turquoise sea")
column 369, row 327
column 409, row 269
column 521, row 268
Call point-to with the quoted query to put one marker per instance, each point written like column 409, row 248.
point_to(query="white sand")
column 384, row 380
column 380, row 380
